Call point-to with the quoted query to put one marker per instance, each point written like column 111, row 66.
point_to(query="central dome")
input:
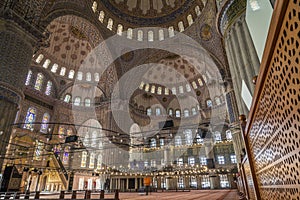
column 141, row 13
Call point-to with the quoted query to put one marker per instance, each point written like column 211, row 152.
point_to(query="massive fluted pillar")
column 16, row 51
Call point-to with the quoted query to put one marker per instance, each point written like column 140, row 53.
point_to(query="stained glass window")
column 77, row 101
column 83, row 159
column 129, row 33
column 161, row 34
column 94, row 7
column 38, row 150
column 101, row 16
column 209, row 103
column 39, row 81
column 69, row 131
column 66, row 155
column 39, row 58
column 48, row 88
column 30, row 118
column 92, row 161
column 171, row 31
column 88, row 76
column 99, row 161
column 29, row 75
column 120, row 29
column 67, row 98
column 110, row 24
column 62, row 71
column 181, row 26
column 190, row 19
column 150, row 36
column 54, row 68
column 61, row 132
column 46, row 63
column 140, row 35
column 71, row 74
column 45, row 121
column 97, row 77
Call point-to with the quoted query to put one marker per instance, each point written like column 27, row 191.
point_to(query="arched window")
column 197, row 10
column 87, row 102
column 190, row 19
column 159, row 90
column 61, row 132
column 153, row 89
column 200, row 82
column 120, row 29
column 153, row 143
column 170, row 112
column 178, row 141
column 150, row 36
column 228, row 135
column 191, row 161
column 147, row 87
column 92, row 161
column 199, row 139
column 194, row 85
column 88, row 76
column 218, row 137
column 142, row 85
column 180, row 26
column 54, row 68
column 181, row 89
column 129, row 33
column 30, row 118
column 69, row 132
column 39, row 58
column 171, row 31
column 28, row 78
column 48, row 88
column 77, row 101
column 174, row 90
column 94, row 7
column 79, row 76
column 194, row 111
column 149, row 111
column 157, row 111
column 83, row 159
column 161, row 35
column 218, row 100
column 177, row 113
column 110, row 24
column 161, row 142
column 140, row 35
column 208, row 103
column 204, row 78
column 39, row 82
column 167, row 92
column 67, row 98
column 101, row 16
column 99, row 161
column 66, row 155
column 188, row 137
column 188, row 87
column 62, row 71
column 97, row 77
column 71, row 74
column 180, row 161
column 186, row 113
column 46, row 63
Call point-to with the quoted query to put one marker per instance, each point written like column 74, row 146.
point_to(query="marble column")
column 16, row 51
column 242, row 58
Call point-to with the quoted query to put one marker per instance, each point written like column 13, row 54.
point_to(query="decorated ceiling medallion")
column 205, row 32
column 77, row 33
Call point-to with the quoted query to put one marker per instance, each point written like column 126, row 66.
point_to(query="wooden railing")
column 87, row 194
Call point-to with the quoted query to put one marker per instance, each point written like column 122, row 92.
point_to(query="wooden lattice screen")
column 273, row 129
